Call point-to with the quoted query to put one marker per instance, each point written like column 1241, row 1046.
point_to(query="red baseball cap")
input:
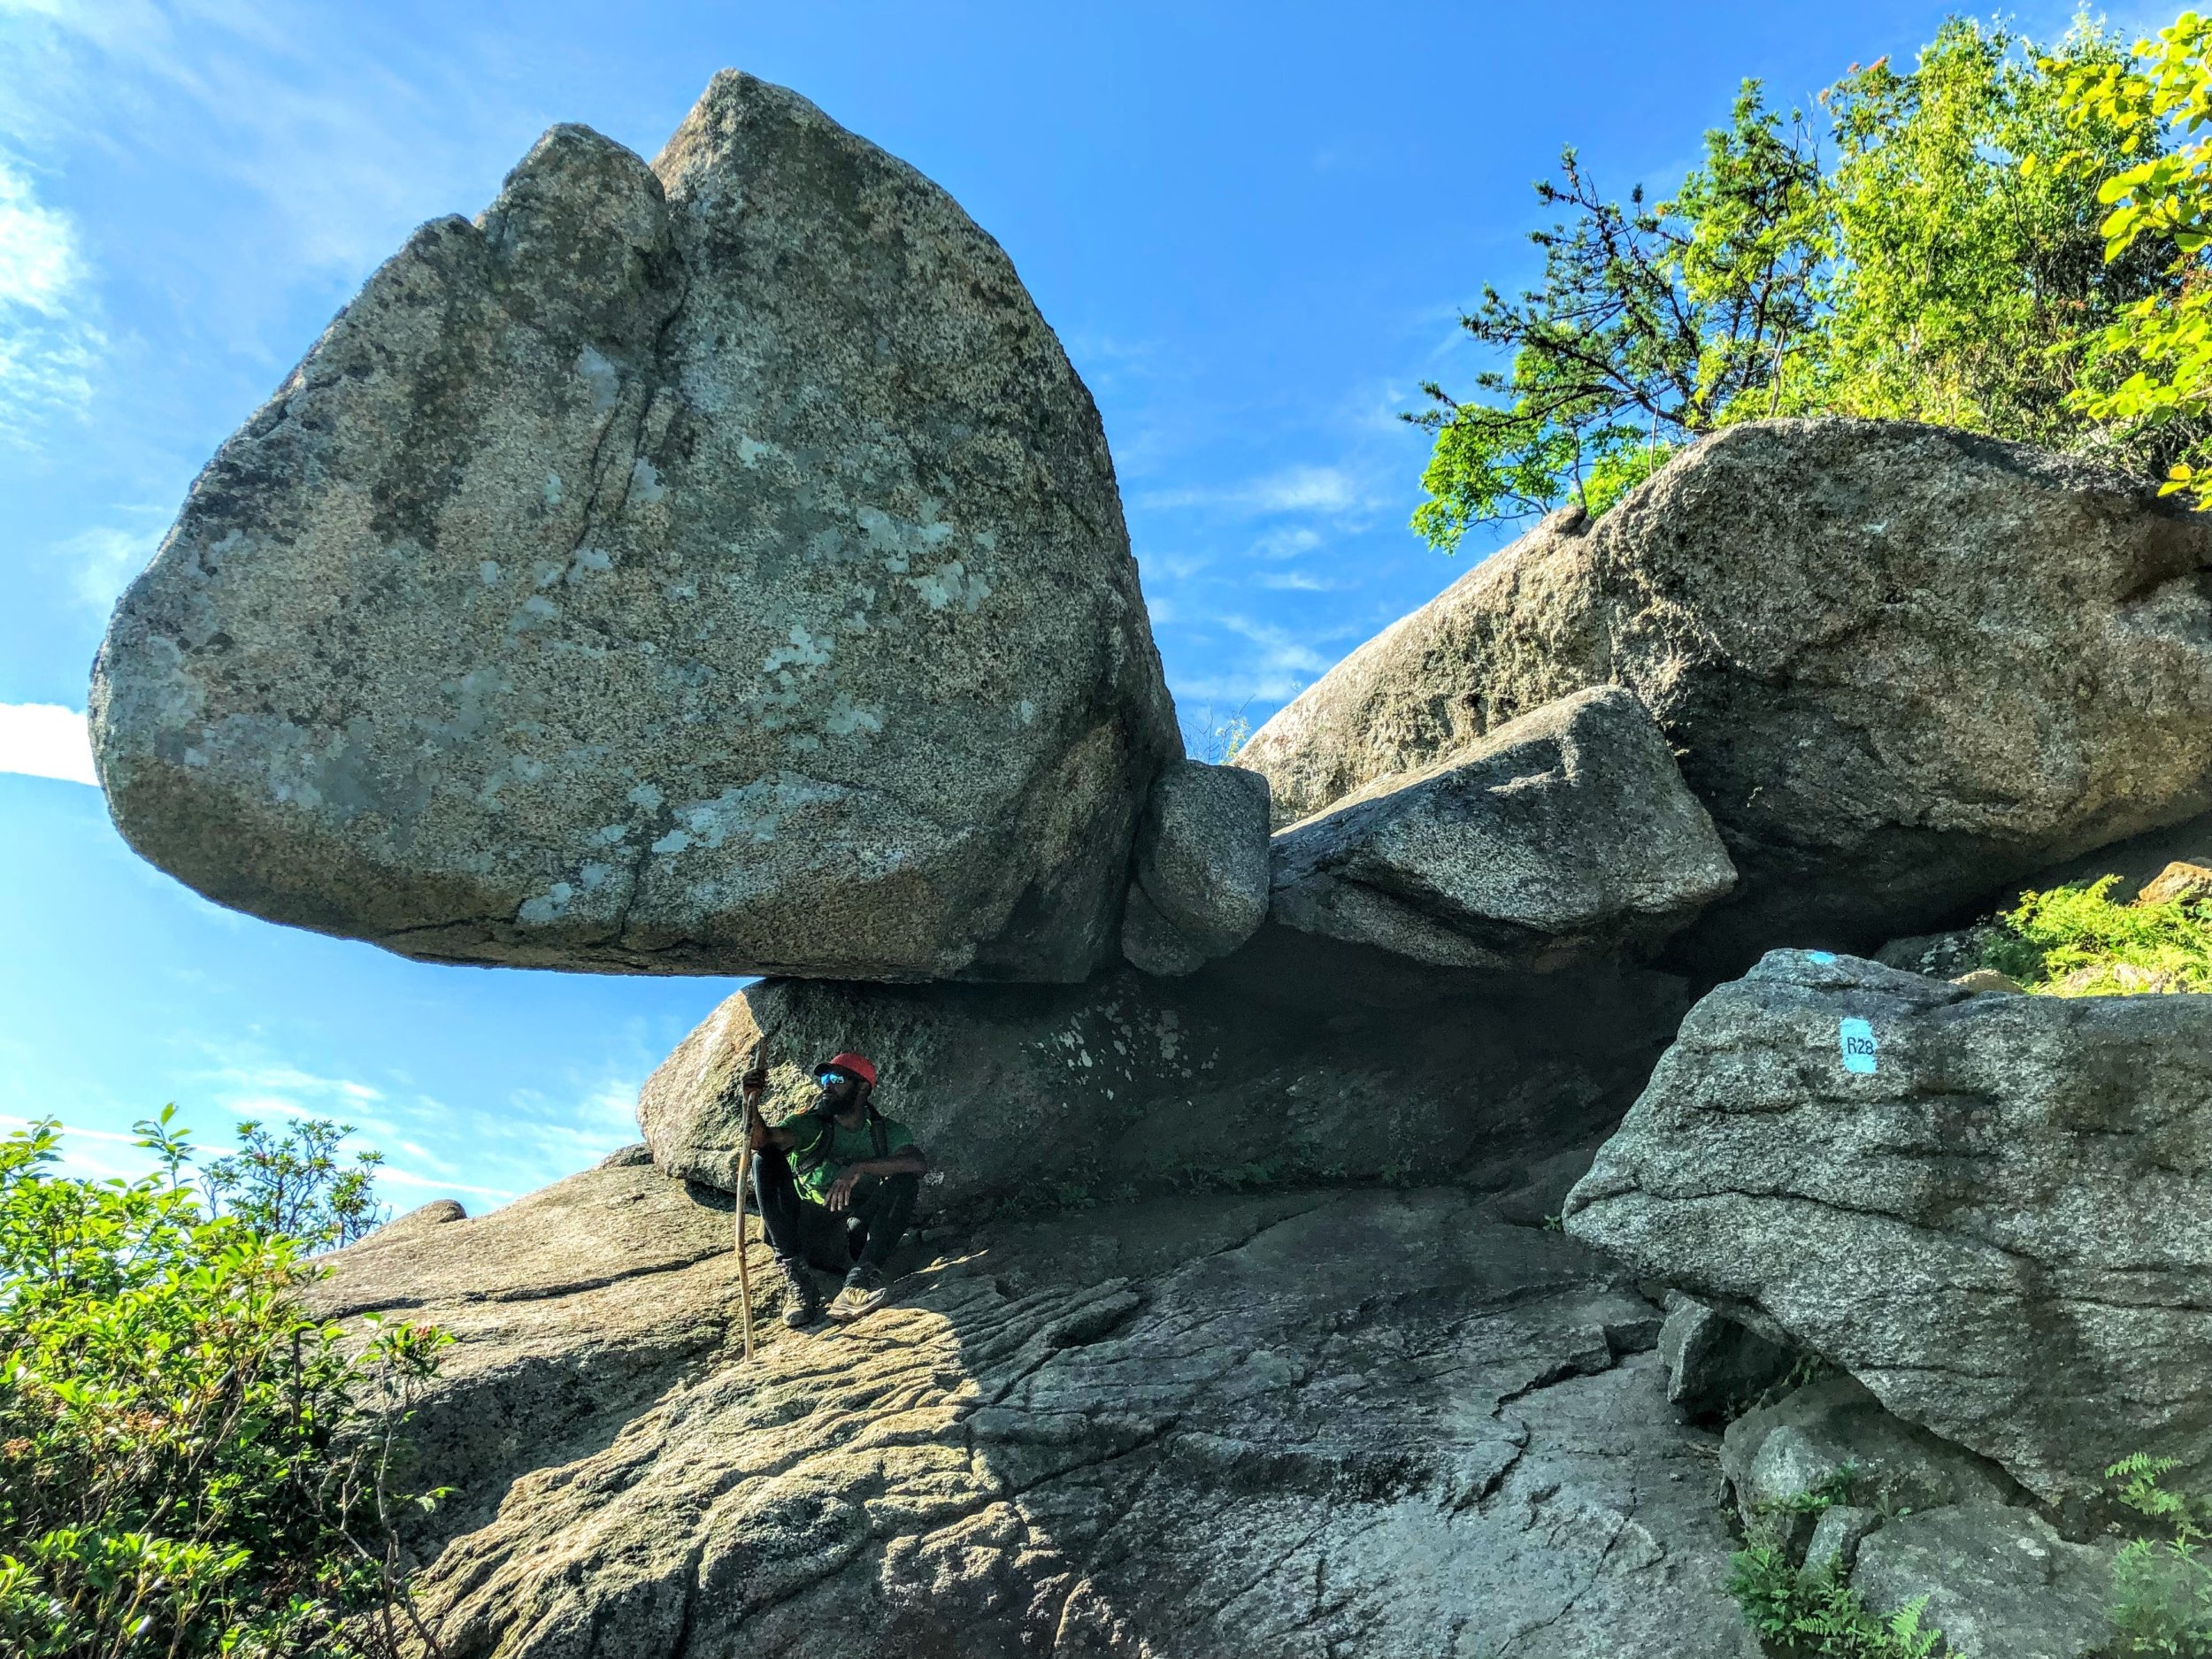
column 859, row 1064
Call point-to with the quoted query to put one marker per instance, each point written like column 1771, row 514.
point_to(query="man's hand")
column 754, row 1084
column 840, row 1196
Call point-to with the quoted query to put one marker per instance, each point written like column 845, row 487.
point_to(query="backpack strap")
column 824, row 1145
column 882, row 1135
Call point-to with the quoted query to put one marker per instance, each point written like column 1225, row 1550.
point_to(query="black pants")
column 801, row 1230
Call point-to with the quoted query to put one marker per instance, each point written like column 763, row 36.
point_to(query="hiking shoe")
column 863, row 1294
column 801, row 1301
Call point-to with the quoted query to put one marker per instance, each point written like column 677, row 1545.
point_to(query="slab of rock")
column 1280, row 1065
column 1904, row 666
column 1995, row 1211
column 1714, row 1367
column 574, row 1308
column 708, row 567
column 1300, row 1425
column 1202, row 868
column 1564, row 836
column 2000, row 1582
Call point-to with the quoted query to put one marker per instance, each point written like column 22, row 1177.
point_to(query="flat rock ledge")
column 1994, row 1211
column 1355, row 1423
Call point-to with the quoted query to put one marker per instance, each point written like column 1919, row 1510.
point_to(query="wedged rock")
column 2000, row 1582
column 573, row 1309
column 1714, row 1367
column 1834, row 1548
column 1152, row 942
column 712, row 567
column 1832, row 1439
column 1565, row 836
column 1353, row 1423
column 1280, row 1065
column 1994, row 1211
column 1202, row 868
column 1902, row 667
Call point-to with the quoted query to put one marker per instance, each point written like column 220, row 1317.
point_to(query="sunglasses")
column 829, row 1078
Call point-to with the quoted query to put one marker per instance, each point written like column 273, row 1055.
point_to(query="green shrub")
column 2076, row 941
column 190, row 1463
column 1805, row 1613
column 2161, row 1587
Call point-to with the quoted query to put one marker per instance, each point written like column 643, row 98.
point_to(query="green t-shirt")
column 824, row 1147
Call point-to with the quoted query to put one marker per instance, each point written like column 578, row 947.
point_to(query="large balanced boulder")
column 1993, row 1211
column 1901, row 665
column 1281, row 1065
column 708, row 567
column 1565, row 836
column 1306, row 1425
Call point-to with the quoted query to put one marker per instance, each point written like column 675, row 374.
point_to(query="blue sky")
column 1253, row 225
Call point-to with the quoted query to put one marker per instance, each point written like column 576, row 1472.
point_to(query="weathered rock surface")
column 573, row 1308
column 2000, row 1582
column 1280, row 1065
column 1902, row 665
column 1992, row 1210
column 1564, row 836
column 1202, row 868
column 1351, row 1424
column 1714, row 1367
column 1835, row 1432
column 712, row 567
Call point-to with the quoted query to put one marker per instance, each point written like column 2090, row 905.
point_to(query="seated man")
column 837, row 1183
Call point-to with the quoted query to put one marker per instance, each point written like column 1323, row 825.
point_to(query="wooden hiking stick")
column 744, row 1171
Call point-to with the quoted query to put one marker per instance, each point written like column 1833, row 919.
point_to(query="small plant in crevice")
column 1799, row 1614
column 2075, row 942
column 2161, row 1587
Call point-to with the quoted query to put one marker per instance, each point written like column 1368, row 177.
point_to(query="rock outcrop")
column 1280, row 1066
column 1991, row 1210
column 1999, row 1581
column 1309, row 1424
column 1901, row 665
column 1563, row 837
column 1202, row 868
column 572, row 1308
column 711, row 567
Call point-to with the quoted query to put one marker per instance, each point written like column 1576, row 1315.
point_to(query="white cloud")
column 1326, row 489
column 45, row 741
column 50, row 338
column 1297, row 582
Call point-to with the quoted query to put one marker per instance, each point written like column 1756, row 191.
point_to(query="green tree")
column 190, row 1463
column 1651, row 324
column 1940, row 259
column 297, row 1186
column 2157, row 354
column 1971, row 274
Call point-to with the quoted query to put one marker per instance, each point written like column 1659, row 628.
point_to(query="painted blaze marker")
column 1855, row 1037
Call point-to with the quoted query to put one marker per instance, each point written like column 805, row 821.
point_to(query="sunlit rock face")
column 712, row 566
column 1310, row 1423
column 1901, row 666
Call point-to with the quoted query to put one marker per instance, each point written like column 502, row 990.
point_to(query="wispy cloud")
column 102, row 560
column 51, row 340
column 43, row 739
column 1325, row 489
